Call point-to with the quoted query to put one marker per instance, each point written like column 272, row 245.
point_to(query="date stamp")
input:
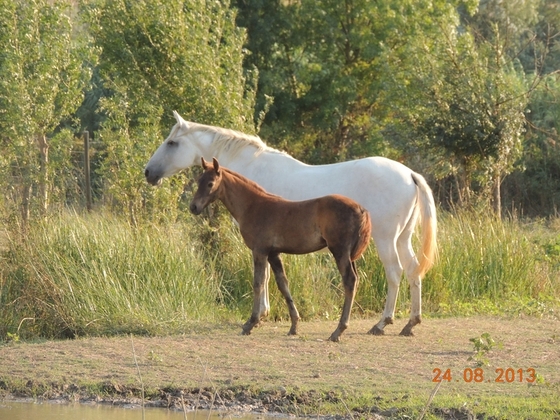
column 478, row 375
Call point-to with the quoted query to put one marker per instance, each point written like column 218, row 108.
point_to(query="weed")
column 482, row 346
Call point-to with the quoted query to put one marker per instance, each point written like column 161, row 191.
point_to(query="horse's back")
column 383, row 186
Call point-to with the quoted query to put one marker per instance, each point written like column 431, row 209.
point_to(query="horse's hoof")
column 292, row 332
column 407, row 332
column 335, row 338
column 376, row 331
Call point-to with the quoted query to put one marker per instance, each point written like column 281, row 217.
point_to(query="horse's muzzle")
column 195, row 209
column 151, row 178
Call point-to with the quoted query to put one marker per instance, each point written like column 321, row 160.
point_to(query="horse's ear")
column 180, row 119
column 216, row 165
column 204, row 163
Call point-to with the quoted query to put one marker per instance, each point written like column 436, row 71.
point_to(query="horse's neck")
column 241, row 160
column 238, row 193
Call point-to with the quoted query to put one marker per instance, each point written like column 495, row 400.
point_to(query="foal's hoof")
column 335, row 337
column 246, row 329
column 376, row 331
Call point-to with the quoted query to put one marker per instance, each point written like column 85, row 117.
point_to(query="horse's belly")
column 298, row 242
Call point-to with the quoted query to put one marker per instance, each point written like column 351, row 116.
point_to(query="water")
column 17, row 410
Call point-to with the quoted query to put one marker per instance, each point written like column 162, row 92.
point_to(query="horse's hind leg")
column 349, row 274
column 393, row 270
column 410, row 264
column 282, row 282
column 259, row 278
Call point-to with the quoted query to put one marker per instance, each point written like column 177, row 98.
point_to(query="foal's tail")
column 429, row 225
column 364, row 235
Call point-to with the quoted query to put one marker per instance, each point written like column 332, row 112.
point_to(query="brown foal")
column 271, row 225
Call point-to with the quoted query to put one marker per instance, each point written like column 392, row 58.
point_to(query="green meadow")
column 95, row 274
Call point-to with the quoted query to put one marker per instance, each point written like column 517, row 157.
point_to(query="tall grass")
column 96, row 274
column 489, row 265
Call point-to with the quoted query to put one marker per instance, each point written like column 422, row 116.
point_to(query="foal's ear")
column 204, row 163
column 216, row 166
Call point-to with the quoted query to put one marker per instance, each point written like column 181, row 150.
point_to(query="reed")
column 95, row 274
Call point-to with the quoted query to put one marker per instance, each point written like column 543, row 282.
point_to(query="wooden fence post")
column 87, row 170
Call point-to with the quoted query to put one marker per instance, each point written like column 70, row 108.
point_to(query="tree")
column 41, row 85
column 463, row 107
column 322, row 64
column 159, row 56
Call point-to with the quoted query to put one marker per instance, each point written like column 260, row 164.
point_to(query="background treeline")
column 465, row 92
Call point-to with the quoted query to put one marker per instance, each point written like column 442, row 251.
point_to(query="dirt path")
column 273, row 366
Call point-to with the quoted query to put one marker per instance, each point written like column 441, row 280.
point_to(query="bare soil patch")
column 270, row 371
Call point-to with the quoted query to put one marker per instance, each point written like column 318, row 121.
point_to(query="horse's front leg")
column 265, row 302
column 259, row 279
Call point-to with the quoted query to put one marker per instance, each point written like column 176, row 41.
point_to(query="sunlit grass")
column 96, row 274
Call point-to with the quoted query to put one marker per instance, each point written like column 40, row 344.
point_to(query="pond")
column 22, row 410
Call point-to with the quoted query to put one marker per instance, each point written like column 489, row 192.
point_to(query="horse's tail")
column 364, row 235
column 428, row 217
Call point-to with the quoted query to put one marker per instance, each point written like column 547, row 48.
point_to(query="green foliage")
column 157, row 57
column 41, row 83
column 443, row 86
column 322, row 63
column 535, row 182
column 463, row 108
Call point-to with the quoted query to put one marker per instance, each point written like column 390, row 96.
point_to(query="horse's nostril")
column 146, row 173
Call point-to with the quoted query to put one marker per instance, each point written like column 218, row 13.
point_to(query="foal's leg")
column 349, row 274
column 259, row 277
column 282, row 282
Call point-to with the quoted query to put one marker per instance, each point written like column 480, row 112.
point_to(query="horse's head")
column 208, row 186
column 175, row 153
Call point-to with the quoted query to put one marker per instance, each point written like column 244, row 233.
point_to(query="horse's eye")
column 172, row 143
column 210, row 184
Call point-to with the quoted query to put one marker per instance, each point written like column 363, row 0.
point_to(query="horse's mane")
column 231, row 141
column 247, row 181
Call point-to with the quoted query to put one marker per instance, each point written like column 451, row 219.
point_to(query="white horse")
column 394, row 195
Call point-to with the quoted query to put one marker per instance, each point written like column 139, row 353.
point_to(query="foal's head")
column 208, row 185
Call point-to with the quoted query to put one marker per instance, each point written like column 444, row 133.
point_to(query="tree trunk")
column 25, row 197
column 497, row 195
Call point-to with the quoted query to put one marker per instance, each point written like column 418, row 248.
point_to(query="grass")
column 94, row 274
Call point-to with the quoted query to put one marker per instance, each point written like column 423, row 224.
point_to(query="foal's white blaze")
column 394, row 195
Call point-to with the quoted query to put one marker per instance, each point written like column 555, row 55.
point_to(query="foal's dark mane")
column 247, row 181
